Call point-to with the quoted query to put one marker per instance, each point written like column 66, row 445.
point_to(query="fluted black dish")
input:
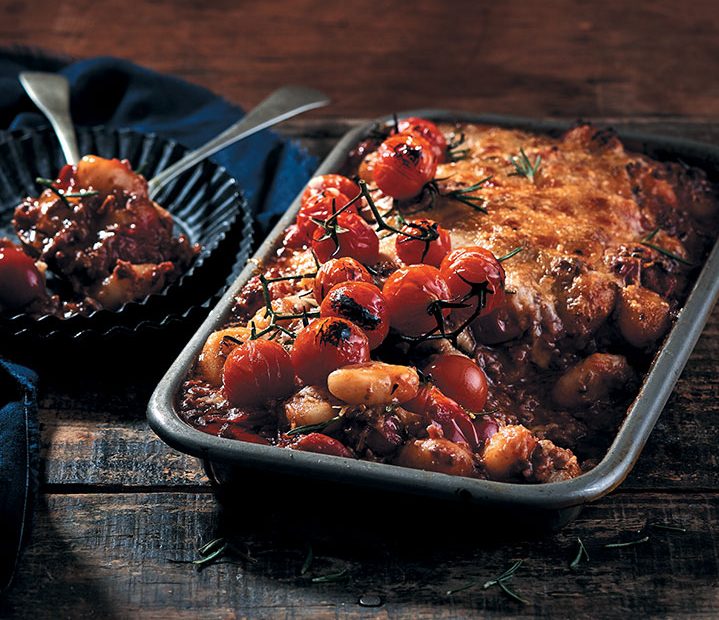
column 205, row 202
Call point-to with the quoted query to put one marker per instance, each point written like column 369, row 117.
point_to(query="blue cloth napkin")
column 19, row 456
column 118, row 94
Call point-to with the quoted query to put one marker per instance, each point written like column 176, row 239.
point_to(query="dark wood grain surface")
column 120, row 513
column 554, row 58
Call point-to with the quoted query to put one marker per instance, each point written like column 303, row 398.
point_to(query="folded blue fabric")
column 119, row 94
column 19, row 447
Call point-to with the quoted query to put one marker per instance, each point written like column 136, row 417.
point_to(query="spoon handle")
column 282, row 104
column 51, row 93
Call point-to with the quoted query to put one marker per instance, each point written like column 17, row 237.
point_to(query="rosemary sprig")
column 50, row 184
column 666, row 526
column 629, row 543
column 647, row 242
column 465, row 195
column 82, row 193
column 308, row 560
column 312, row 428
column 509, row 255
column 454, row 152
column 213, row 550
column 501, row 581
column 342, row 575
column 524, row 167
column 582, row 553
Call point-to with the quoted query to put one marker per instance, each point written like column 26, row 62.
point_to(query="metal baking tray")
column 555, row 503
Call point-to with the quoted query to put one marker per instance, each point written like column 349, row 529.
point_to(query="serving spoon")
column 51, row 93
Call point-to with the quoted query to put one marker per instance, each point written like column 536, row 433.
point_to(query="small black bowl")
column 206, row 203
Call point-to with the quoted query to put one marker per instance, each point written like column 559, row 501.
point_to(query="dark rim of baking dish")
column 606, row 476
column 205, row 203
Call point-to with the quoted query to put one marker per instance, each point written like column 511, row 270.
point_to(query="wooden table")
column 120, row 513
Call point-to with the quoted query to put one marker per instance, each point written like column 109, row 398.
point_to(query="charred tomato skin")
column 256, row 371
column 326, row 344
column 469, row 266
column 363, row 304
column 413, row 251
column 429, row 131
column 404, row 164
column 337, row 271
column 411, row 294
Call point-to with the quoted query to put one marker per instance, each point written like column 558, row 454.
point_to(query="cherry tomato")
column 325, row 345
column 405, row 164
column 256, row 371
column 337, row 271
column 413, row 251
column 429, row 131
column 364, row 305
column 461, row 379
column 319, row 207
column 321, row 444
column 326, row 181
column 66, row 178
column 454, row 421
column 20, row 280
column 411, row 294
column 473, row 265
column 354, row 238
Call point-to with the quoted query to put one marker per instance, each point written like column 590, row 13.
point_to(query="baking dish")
column 555, row 502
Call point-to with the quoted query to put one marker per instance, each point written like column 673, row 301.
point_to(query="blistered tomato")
column 336, row 271
column 349, row 236
column 325, row 345
column 257, row 371
column 424, row 241
column 404, row 164
column 363, row 304
column 412, row 294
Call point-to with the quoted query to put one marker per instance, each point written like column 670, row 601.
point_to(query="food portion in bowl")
column 92, row 239
column 475, row 300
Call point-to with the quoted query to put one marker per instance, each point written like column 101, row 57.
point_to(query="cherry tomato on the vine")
column 20, row 280
column 469, row 266
column 404, row 164
column 319, row 207
column 336, row 271
column 349, row 235
column 325, row 345
column 256, row 371
column 430, row 250
column 326, row 181
column 412, row 294
column 429, row 131
column 461, row 379
column 363, row 304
